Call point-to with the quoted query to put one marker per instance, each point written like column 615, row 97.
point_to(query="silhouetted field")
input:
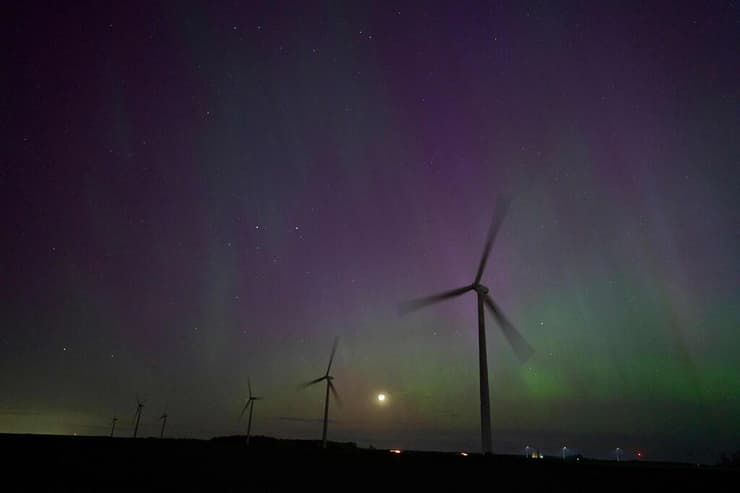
column 63, row 463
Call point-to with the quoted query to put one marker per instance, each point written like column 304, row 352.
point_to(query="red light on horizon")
column 639, row 453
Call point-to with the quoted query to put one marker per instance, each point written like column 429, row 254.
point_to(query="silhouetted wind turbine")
column 139, row 406
column 164, row 421
column 329, row 386
column 250, row 405
column 113, row 425
column 522, row 349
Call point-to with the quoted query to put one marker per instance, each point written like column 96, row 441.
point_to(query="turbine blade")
column 308, row 384
column 333, row 350
column 335, row 394
column 498, row 217
column 521, row 347
column 411, row 305
column 249, row 402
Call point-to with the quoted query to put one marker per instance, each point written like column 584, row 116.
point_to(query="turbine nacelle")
column 480, row 288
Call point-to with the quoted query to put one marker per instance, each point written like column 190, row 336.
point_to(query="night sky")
column 197, row 192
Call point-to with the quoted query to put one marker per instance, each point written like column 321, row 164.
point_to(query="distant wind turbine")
column 139, row 406
column 164, row 421
column 250, row 405
column 522, row 349
column 113, row 426
column 329, row 386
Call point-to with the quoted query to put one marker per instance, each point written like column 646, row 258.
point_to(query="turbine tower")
column 522, row 349
column 329, row 387
column 250, row 405
column 139, row 406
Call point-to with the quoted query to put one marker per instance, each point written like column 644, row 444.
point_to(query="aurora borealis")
column 197, row 192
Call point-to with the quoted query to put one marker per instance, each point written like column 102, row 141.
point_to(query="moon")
column 381, row 397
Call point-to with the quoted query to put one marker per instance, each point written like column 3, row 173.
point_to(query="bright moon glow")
column 381, row 397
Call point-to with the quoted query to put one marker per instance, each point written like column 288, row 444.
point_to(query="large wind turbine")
column 250, row 405
column 329, row 386
column 522, row 349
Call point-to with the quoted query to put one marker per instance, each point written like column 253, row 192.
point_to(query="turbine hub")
column 480, row 288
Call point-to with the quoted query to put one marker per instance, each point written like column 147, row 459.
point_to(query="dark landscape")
column 225, row 463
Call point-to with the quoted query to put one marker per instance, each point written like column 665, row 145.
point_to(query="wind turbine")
column 522, row 349
column 163, row 417
column 250, row 405
column 139, row 406
column 113, row 425
column 329, row 386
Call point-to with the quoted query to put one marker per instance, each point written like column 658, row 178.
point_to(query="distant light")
column 464, row 454
column 639, row 454
column 395, row 451
column 381, row 397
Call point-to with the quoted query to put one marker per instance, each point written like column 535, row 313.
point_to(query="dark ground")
column 63, row 463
